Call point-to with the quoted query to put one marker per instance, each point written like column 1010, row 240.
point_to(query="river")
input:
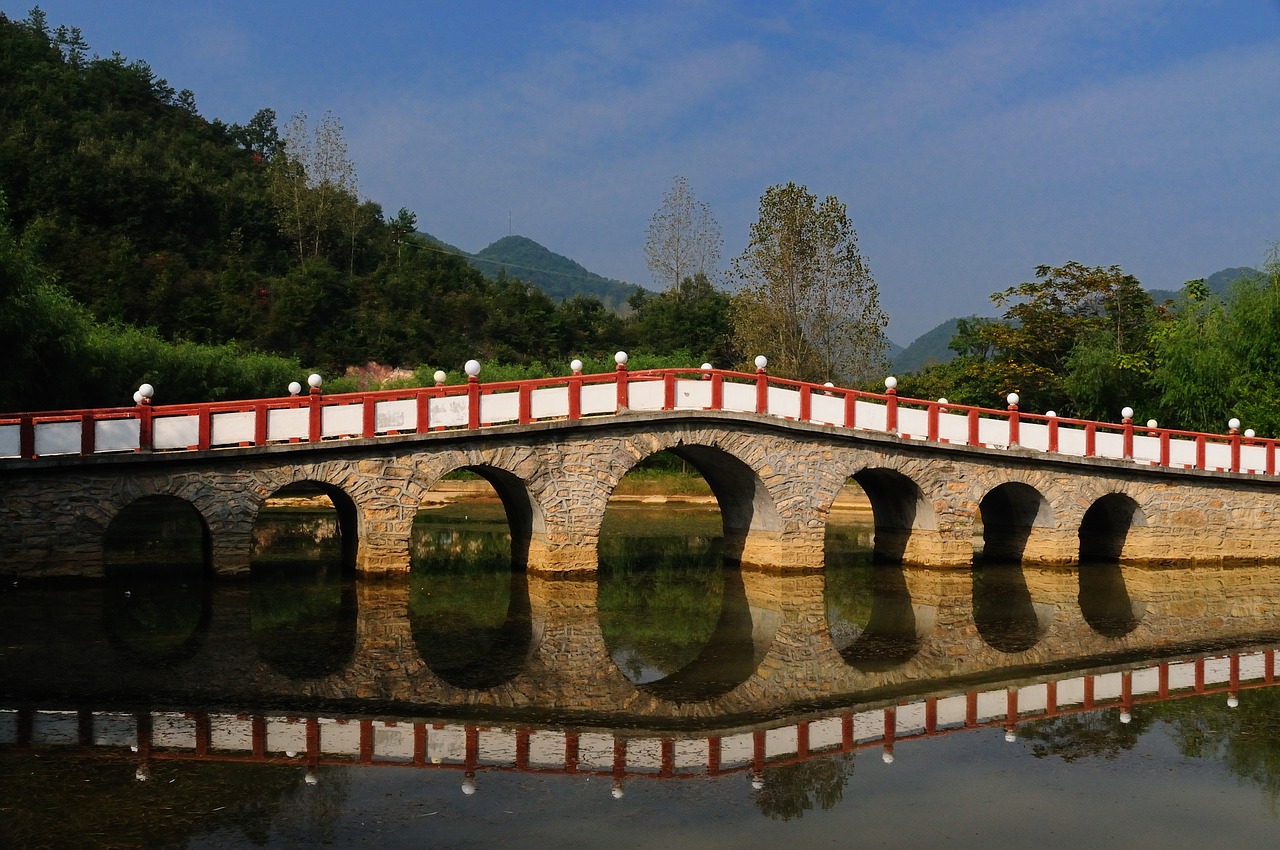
column 673, row 700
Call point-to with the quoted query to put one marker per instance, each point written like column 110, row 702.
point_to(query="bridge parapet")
column 301, row 420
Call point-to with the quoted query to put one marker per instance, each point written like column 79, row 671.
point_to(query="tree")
column 693, row 318
column 808, row 300
column 683, row 238
column 313, row 184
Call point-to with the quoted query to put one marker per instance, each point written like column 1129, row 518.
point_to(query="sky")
column 971, row 142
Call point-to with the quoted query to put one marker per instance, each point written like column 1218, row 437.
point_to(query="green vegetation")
column 1089, row 341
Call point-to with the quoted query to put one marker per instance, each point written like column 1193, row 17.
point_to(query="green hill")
column 556, row 275
column 1218, row 282
column 929, row 347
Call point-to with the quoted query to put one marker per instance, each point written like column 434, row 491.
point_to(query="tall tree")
column 808, row 300
column 314, row 184
column 683, row 238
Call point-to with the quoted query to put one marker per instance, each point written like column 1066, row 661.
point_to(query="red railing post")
column 620, row 379
column 891, row 405
column 1090, row 439
column 314, row 429
column 204, row 428
column 473, row 401
column 669, row 391
column 850, row 408
column 1271, row 457
column 973, row 427
column 762, row 385
column 524, row 414
column 933, row 411
column 144, row 425
column 424, row 411
column 87, row 434
column 26, row 437
column 1126, row 434
column 1053, row 432
column 1233, row 433
column 1013, row 418
column 717, row 391
column 260, row 423
column 805, row 402
column 1164, row 448
column 575, row 397
column 1200, row 451
column 368, row 417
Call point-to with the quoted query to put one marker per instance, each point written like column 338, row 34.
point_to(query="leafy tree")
column 683, row 238
column 808, row 300
column 313, row 183
column 694, row 317
column 1077, row 339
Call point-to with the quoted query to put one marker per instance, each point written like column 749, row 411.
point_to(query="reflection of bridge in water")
column 772, row 652
column 314, row 741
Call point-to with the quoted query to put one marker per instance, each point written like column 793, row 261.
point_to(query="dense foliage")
column 1089, row 341
column 143, row 242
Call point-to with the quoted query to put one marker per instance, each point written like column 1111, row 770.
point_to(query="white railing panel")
column 953, row 428
column 1217, row 456
column 826, row 410
column 828, row 733
column 1182, row 675
column 342, row 420
column 739, row 397
column 1146, row 681
column 1108, row 686
column 499, row 407
column 447, row 412
column 1071, row 441
column 495, row 746
column 401, row 415
column 549, row 403
column 289, row 423
column 993, row 432
column 783, row 402
column 10, row 440
column 691, row 753
column 175, row 432
column 1109, row 444
column 59, row 438
column 909, row 718
column 869, row 415
column 992, row 704
column 645, row 395
column 1033, row 698
column 1034, row 435
column 1146, row 449
column 1182, row 453
column 782, row 741
column 170, row 729
column 113, row 729
column 737, row 749
column 1217, row 670
column 693, row 395
column 230, row 429
column 230, row 732
column 868, row 725
column 595, row 750
column 117, row 435
column 339, row 738
column 1253, row 459
column 913, row 422
column 952, row 710
column 547, row 748
column 447, row 745
column 599, row 398
column 1253, row 666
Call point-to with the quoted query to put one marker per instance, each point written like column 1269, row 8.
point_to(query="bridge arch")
column 736, row 468
column 1011, row 513
column 1105, row 527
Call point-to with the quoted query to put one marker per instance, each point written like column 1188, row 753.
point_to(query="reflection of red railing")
column 315, row 417
column 627, row 755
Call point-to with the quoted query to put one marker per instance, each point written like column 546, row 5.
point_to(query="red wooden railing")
column 257, row 422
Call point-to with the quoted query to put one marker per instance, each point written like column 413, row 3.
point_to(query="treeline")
column 143, row 241
column 1087, row 342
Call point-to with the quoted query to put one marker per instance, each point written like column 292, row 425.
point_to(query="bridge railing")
column 318, row 417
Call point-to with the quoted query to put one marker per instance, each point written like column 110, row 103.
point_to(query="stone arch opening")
column 157, row 594
column 1007, row 515
column 870, row 614
column 302, row 603
column 1104, row 597
column 1105, row 527
column 896, row 506
column 469, row 606
column 749, row 521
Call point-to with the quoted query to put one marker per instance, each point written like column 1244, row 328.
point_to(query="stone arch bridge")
column 1036, row 488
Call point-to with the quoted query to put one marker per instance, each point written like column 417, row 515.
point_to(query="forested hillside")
column 166, row 228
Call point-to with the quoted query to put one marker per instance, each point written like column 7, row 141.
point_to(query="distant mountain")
column 929, row 347
column 556, row 275
column 1218, row 283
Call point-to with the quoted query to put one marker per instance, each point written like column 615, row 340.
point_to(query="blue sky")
column 971, row 141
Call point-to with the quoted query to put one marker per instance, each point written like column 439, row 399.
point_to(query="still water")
column 675, row 701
